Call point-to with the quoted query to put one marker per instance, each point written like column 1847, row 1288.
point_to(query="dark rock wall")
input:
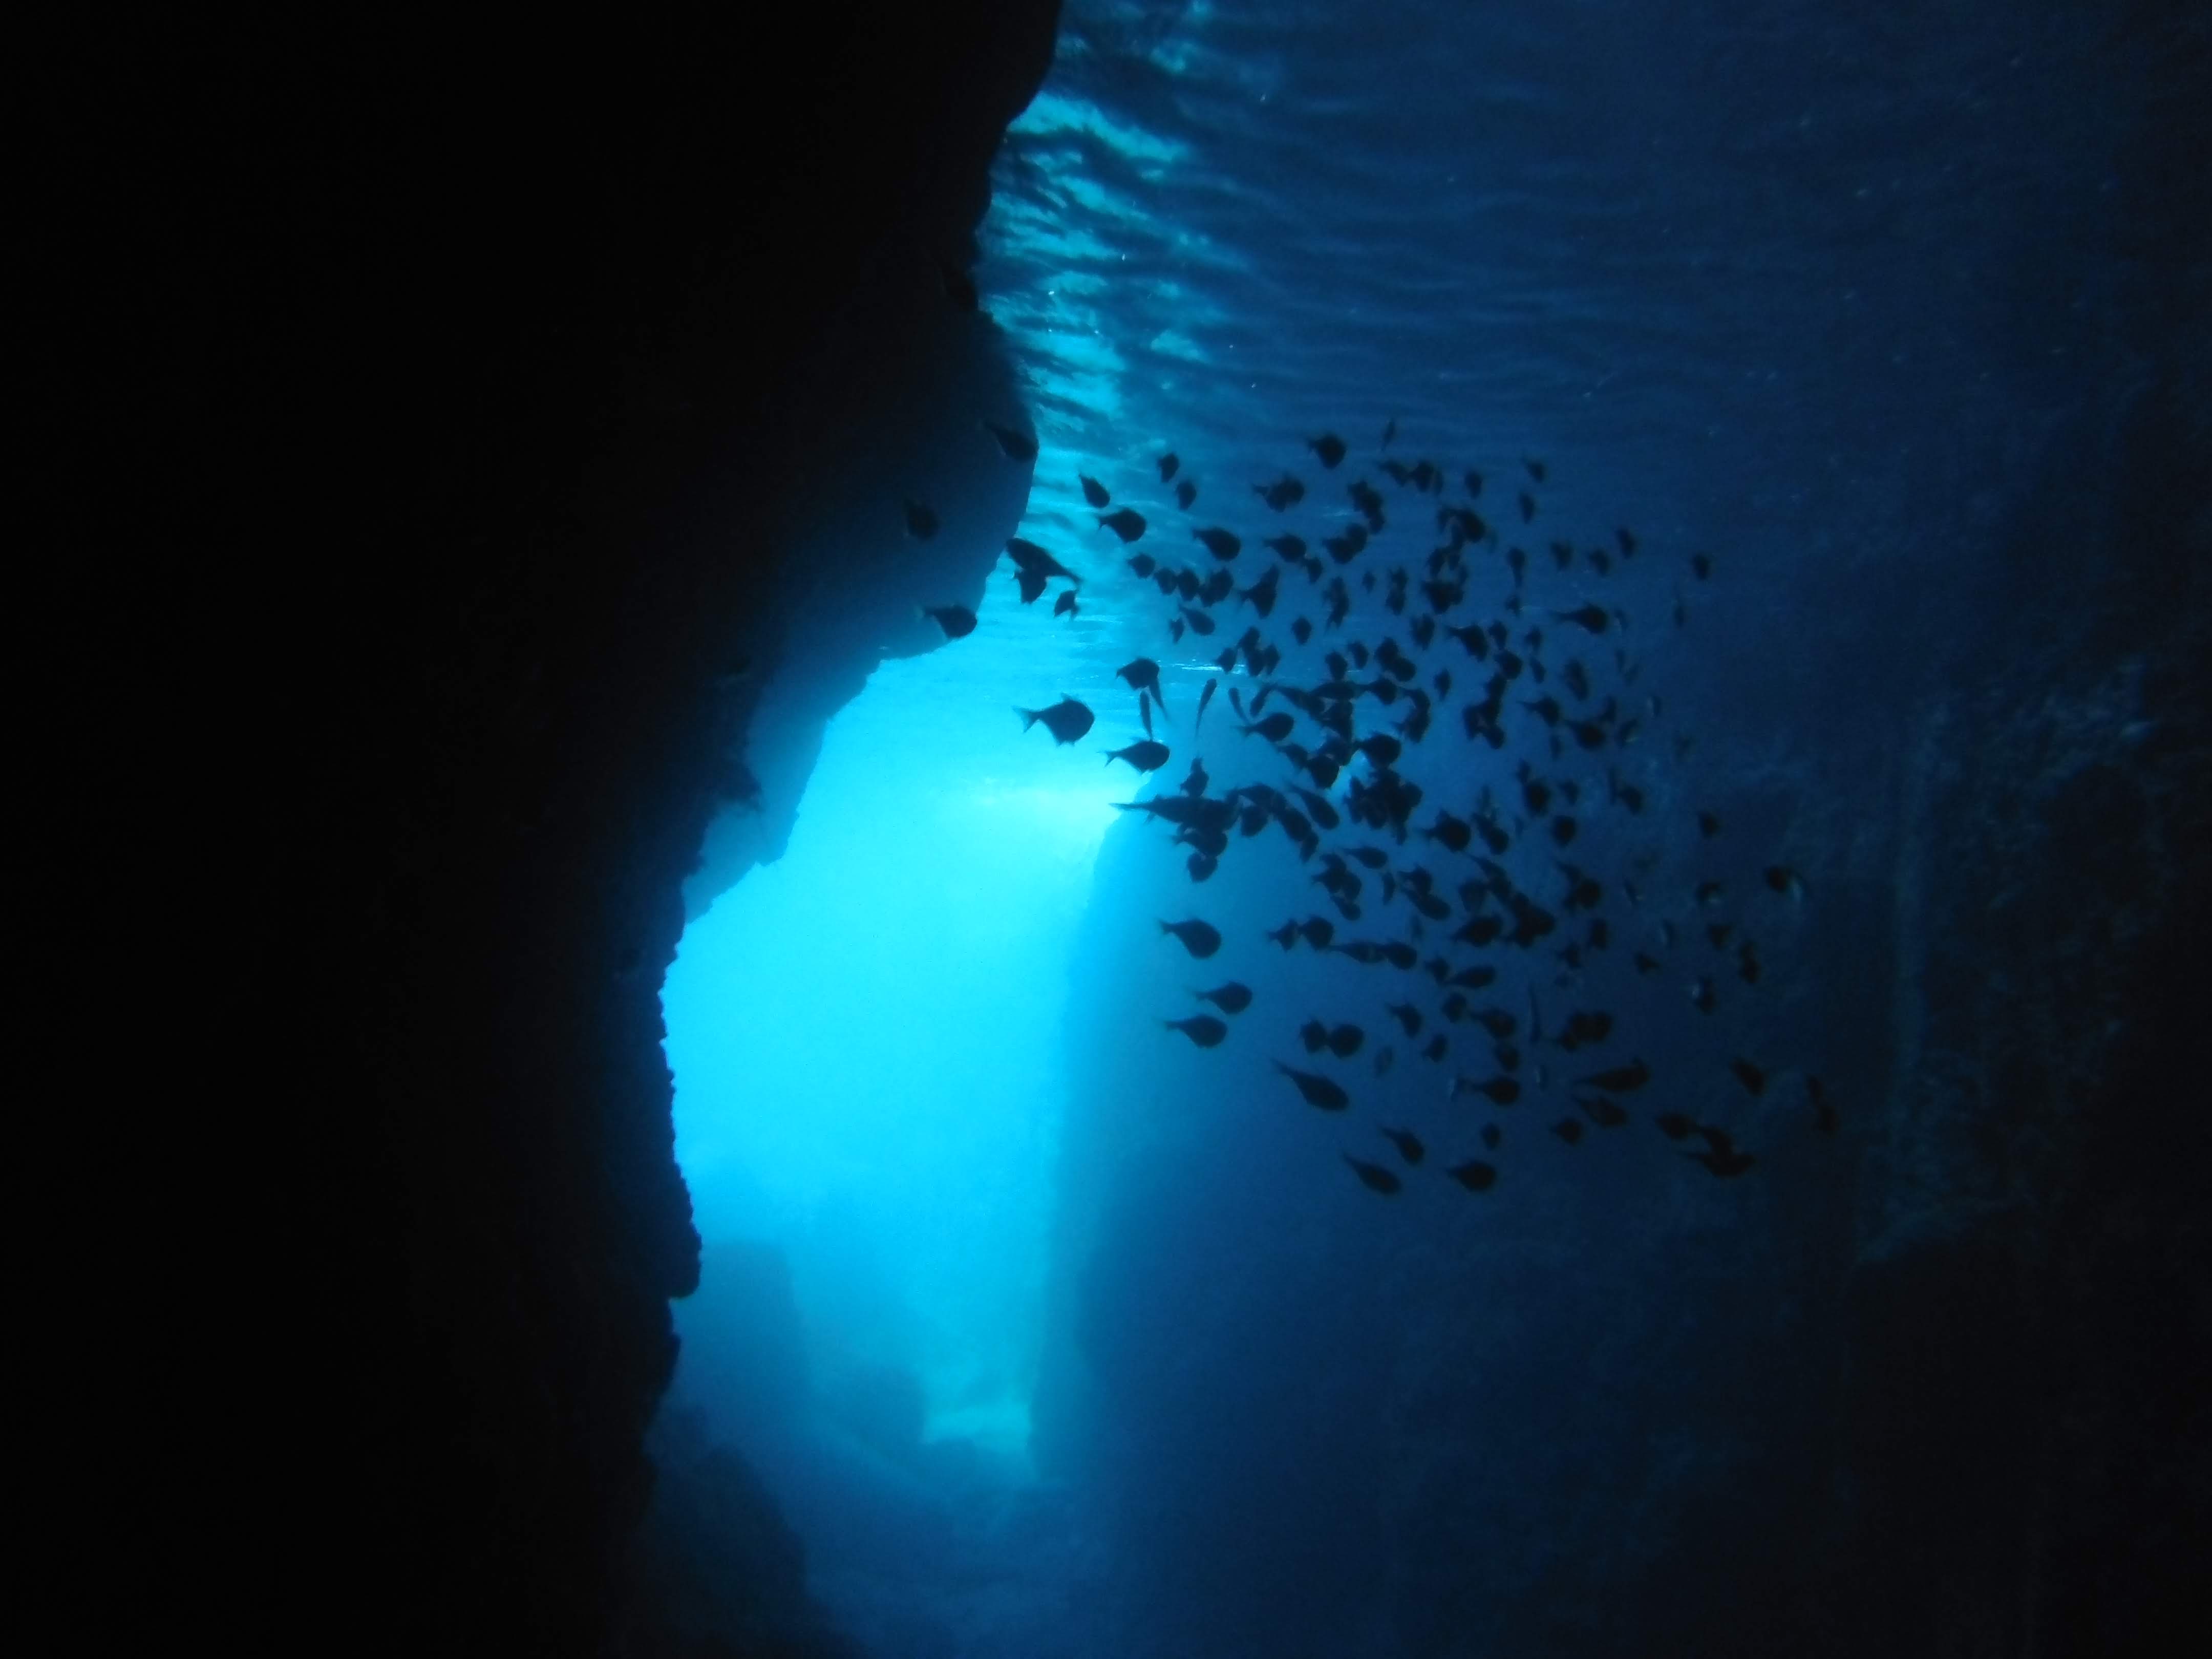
column 476, row 381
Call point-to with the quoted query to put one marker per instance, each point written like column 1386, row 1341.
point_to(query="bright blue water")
column 1808, row 287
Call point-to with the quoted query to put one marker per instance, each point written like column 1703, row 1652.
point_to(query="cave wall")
column 469, row 387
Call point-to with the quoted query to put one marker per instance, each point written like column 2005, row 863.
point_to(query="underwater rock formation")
column 491, row 376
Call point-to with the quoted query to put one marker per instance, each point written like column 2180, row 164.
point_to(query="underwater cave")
column 1273, row 832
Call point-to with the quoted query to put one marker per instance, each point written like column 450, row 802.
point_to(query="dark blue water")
column 1097, row 1341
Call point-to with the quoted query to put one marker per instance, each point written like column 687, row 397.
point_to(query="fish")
column 1065, row 605
column 1474, row 1175
column 1274, row 728
column 1018, row 445
column 1535, row 469
column 1702, row 997
column 1374, row 1176
column 1202, row 1028
column 1030, row 557
column 1204, row 696
column 1675, row 1126
column 1618, row 1079
column 1408, row 1016
column 1223, row 544
column 1601, row 1111
column 1233, row 998
column 1194, row 781
column 1369, row 504
column 1721, row 1156
column 1702, row 564
column 1291, row 550
column 1200, row 939
column 1261, row 594
column 1144, row 564
column 1569, row 1129
column 1186, row 492
column 1199, row 621
column 1499, row 1090
column 1066, row 720
column 1216, row 587
column 1168, row 464
column 1093, row 491
column 921, row 520
column 1318, row 930
column 1344, row 1040
column 1328, row 447
column 1284, row 493
column 1438, row 1046
column 1145, row 756
column 1591, row 618
column 1407, row 1143
column 958, row 621
column 1346, row 548
column 1201, row 865
column 1823, row 1111
column 1318, row 1091
column 1753, row 1078
column 1709, row 825
column 1125, row 522
column 1781, row 879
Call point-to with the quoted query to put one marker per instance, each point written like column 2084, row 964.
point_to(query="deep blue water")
column 1101, row 1345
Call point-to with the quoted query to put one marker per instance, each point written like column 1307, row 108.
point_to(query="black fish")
column 1145, row 756
column 1168, row 462
column 1145, row 711
column 1144, row 564
column 1202, row 1028
column 1474, row 1175
column 1286, row 935
column 1219, row 542
column 1500, row 1091
column 1752, row 1076
column 1124, row 522
column 1721, row 1156
column 1373, row 1176
column 1261, row 594
column 1408, row 1016
column 1233, row 998
column 1274, row 728
column 1318, row 1090
column 1286, row 492
column 1590, row 618
column 921, row 520
column 1199, row 937
column 1289, row 549
column 1823, row 1111
column 1186, row 493
column 1018, row 445
column 1066, row 720
column 1318, row 930
column 1031, row 584
column 1709, row 825
column 1569, row 1129
column 1143, row 675
column 1328, row 446
column 1206, row 696
column 958, row 621
column 1673, row 1125
column 1093, row 491
column 1216, row 587
column 1701, row 563
column 1344, row 1040
column 1195, row 783
column 1601, row 1111
column 1199, row 623
column 1438, row 1047
column 1408, row 1145
column 1618, row 1079
column 1786, row 881
column 1065, row 605
column 1030, row 557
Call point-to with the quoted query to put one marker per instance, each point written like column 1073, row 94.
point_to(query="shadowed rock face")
column 491, row 372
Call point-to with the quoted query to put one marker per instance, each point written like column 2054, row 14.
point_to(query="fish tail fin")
column 1029, row 717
